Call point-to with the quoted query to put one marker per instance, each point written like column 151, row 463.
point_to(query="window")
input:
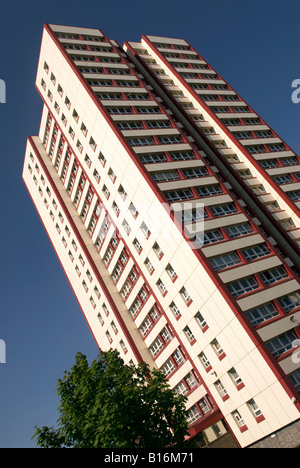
column 181, row 388
column 146, row 326
column 277, row 147
column 170, row 139
column 100, row 318
column 282, row 343
column 158, row 250
column 177, row 195
column 239, row 420
column 166, row 335
column 96, row 290
column 255, row 409
column 148, row 110
column 252, row 121
column 156, row 346
column 175, row 310
column 289, row 161
column 256, row 149
column 136, row 307
column 141, row 141
column 129, row 125
column 88, row 274
column 171, row 272
column 149, row 322
column 193, row 414
column 182, row 155
column 294, row 195
column 197, row 172
column 256, row 252
column 295, row 379
column 93, row 143
column 209, row 190
column 114, row 327
column 218, row 349
column 137, row 245
column 204, row 405
column 119, row 110
column 122, row 192
column 154, row 313
column 112, row 175
column 117, row 272
column 168, row 367
column 221, row 389
column 186, row 384
column 201, row 321
column 262, row 313
column 211, row 237
column 149, row 266
column 133, row 210
column 290, row 302
column 189, row 216
column 145, row 230
column 103, row 96
column 189, row 334
column 240, row 230
column 102, row 159
column 205, row 362
column 165, row 176
column 283, row 179
column 231, row 122
column 269, row 163
column 159, row 124
column 143, row 294
column 240, row 109
column 75, row 115
column 123, row 346
column 225, row 261
column 46, row 67
column 153, row 158
column 126, row 289
column 224, row 210
column 57, row 107
column 71, row 132
column 236, row 378
column 87, row 159
column 186, row 296
column 116, row 208
column 237, row 288
column 106, row 191
column 274, row 275
column 220, row 110
column 161, row 287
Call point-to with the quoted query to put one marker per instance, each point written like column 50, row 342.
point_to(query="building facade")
column 174, row 211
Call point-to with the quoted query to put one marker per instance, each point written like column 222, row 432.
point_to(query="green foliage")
column 112, row 405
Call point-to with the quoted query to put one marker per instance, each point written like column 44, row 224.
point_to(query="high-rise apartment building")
column 174, row 210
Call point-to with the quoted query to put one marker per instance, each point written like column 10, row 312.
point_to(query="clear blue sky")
column 252, row 44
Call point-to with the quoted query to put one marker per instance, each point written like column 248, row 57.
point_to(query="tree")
column 112, row 405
